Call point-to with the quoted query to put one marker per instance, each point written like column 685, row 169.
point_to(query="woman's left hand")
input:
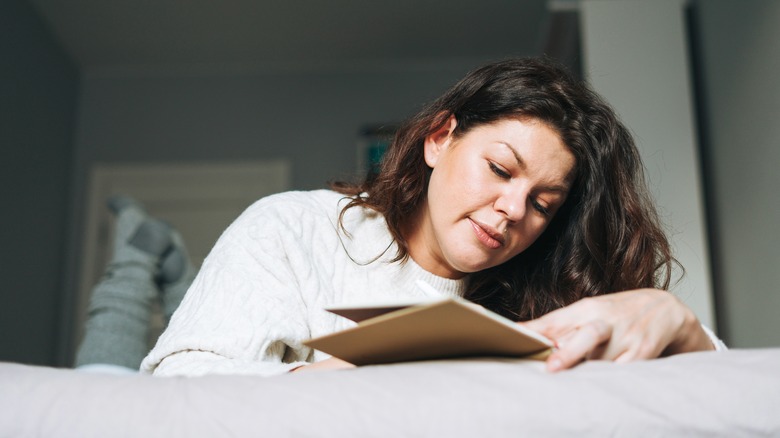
column 624, row 326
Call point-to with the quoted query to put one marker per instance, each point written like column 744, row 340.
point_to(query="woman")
column 517, row 189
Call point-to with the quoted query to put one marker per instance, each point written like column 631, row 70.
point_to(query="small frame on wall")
column 373, row 142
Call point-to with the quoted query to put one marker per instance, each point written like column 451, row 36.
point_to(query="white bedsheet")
column 734, row 393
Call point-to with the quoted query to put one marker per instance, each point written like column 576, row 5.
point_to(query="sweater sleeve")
column 244, row 313
column 716, row 341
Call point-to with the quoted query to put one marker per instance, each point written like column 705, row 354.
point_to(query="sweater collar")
column 369, row 241
column 411, row 273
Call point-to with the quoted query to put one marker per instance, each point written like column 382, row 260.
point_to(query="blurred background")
column 199, row 107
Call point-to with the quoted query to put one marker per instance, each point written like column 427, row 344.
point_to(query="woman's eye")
column 498, row 171
column 540, row 208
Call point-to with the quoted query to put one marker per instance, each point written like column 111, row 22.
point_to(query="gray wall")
column 38, row 90
column 739, row 65
column 311, row 119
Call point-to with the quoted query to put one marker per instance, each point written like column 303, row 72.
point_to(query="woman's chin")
column 472, row 265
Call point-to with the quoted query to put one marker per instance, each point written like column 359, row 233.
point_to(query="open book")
column 436, row 329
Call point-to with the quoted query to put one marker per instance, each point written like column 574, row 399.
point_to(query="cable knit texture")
column 263, row 288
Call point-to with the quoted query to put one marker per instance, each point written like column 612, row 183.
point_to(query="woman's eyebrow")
column 520, row 161
column 523, row 166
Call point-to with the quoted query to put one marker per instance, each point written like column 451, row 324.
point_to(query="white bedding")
column 734, row 393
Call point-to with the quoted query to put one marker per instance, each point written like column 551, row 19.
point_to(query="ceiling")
column 293, row 34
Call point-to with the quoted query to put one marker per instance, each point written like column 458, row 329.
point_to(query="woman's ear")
column 438, row 140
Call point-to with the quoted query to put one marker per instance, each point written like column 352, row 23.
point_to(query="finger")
column 626, row 357
column 578, row 345
column 539, row 325
column 559, row 322
column 645, row 347
column 339, row 364
column 600, row 352
column 327, row 364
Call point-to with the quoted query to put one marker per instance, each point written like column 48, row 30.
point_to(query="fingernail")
column 554, row 365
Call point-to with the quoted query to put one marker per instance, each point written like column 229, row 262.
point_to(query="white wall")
column 740, row 62
column 635, row 54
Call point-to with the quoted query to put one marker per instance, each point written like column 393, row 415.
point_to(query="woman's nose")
column 512, row 204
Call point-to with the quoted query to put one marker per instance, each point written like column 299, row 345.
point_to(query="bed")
column 729, row 394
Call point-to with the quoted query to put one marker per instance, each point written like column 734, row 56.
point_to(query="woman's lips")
column 487, row 235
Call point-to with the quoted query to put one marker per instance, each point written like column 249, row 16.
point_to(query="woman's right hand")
column 622, row 327
column 327, row 364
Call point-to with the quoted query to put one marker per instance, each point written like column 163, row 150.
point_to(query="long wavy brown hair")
column 605, row 238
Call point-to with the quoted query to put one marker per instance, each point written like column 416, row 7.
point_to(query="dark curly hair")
column 605, row 238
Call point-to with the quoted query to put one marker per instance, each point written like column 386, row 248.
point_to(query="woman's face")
column 492, row 193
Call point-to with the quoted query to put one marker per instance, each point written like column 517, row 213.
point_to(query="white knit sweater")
column 263, row 288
